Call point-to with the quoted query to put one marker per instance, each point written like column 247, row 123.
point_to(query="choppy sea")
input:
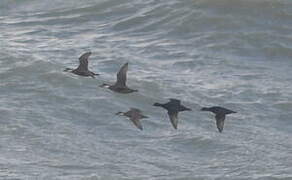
column 231, row 53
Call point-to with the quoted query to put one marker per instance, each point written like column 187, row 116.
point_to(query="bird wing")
column 220, row 121
column 83, row 60
column 136, row 110
column 122, row 76
column 136, row 120
column 173, row 118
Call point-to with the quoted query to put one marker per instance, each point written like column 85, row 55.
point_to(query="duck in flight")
column 220, row 113
column 135, row 115
column 120, row 85
column 82, row 69
column 173, row 107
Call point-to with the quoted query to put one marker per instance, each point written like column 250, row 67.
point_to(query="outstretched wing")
column 136, row 120
column 135, row 110
column 122, row 76
column 83, row 60
column 173, row 118
column 220, row 121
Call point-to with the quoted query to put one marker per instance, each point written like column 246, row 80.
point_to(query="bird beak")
column 119, row 113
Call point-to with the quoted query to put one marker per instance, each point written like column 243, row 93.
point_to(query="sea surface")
column 232, row 53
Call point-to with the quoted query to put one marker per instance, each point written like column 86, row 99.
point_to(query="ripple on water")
column 57, row 125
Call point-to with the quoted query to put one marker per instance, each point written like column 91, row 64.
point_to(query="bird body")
column 120, row 85
column 220, row 114
column 134, row 115
column 82, row 69
column 173, row 107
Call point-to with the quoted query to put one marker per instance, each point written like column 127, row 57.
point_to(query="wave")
column 235, row 54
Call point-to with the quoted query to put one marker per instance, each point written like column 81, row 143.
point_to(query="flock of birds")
column 173, row 107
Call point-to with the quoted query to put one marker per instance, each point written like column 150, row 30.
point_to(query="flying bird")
column 220, row 113
column 173, row 107
column 120, row 85
column 134, row 115
column 82, row 69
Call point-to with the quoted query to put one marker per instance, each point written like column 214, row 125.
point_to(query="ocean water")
column 232, row 53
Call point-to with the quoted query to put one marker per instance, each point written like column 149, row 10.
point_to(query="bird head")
column 104, row 85
column 156, row 104
column 120, row 113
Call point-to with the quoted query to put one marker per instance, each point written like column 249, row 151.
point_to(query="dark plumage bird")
column 120, row 85
column 220, row 113
column 135, row 115
column 173, row 107
column 82, row 69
